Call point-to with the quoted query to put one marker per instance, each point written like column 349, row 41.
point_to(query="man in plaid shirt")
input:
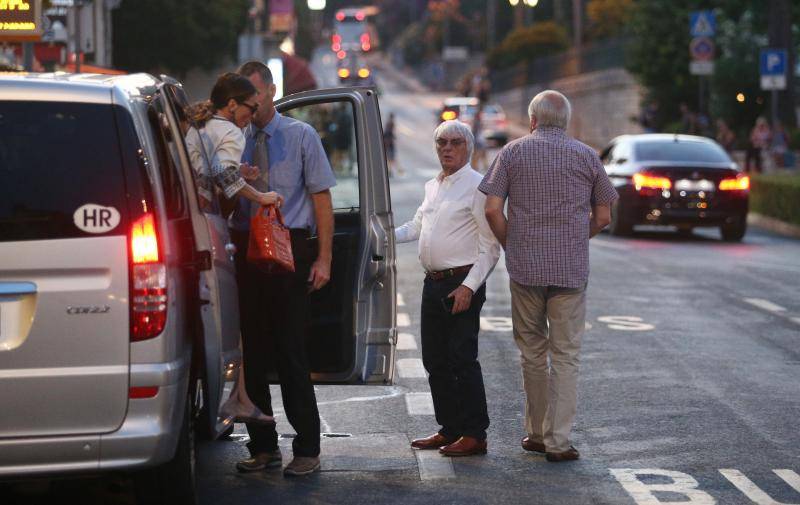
column 559, row 196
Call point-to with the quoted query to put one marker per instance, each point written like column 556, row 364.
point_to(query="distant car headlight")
column 344, row 73
column 363, row 73
column 448, row 115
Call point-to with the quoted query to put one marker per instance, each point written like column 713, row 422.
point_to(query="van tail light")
column 135, row 393
column 148, row 283
column 647, row 181
column 738, row 183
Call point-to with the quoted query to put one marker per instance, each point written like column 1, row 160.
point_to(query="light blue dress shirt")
column 298, row 167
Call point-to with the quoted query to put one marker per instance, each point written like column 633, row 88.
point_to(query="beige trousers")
column 549, row 322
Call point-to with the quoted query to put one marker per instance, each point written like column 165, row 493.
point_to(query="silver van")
column 119, row 322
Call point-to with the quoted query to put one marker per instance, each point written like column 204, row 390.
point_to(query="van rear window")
column 61, row 171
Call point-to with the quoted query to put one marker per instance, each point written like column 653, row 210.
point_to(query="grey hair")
column 550, row 108
column 459, row 128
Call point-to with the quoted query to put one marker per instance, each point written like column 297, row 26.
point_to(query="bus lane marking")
column 765, row 304
column 419, row 404
column 403, row 320
column 434, row 466
column 755, row 493
column 401, row 302
column 626, row 323
column 411, row 368
column 406, row 342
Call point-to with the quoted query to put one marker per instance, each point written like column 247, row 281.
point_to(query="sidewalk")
column 773, row 225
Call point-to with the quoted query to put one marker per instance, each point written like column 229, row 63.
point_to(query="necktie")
column 261, row 159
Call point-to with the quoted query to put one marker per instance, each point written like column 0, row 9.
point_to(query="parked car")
column 679, row 180
column 494, row 124
column 119, row 330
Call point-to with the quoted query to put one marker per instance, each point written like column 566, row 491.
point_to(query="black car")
column 678, row 180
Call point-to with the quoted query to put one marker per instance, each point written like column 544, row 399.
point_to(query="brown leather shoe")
column 432, row 442
column 464, row 446
column 530, row 445
column 568, row 455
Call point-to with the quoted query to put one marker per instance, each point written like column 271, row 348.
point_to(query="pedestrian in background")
column 458, row 252
column 760, row 138
column 389, row 139
column 725, row 136
column 559, row 196
column 274, row 306
column 479, row 162
column 779, row 144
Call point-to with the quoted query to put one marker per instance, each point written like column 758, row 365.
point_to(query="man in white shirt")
column 458, row 252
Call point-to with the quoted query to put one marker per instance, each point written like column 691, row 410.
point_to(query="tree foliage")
column 528, row 43
column 607, row 18
column 176, row 35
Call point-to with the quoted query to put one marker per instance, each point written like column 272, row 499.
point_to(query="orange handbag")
column 270, row 246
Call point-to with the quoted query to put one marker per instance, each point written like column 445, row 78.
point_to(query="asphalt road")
column 689, row 389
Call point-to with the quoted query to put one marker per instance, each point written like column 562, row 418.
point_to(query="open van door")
column 352, row 331
column 218, row 301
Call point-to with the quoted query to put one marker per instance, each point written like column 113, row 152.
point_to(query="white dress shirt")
column 452, row 229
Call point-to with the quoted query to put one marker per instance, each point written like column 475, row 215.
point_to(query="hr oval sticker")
column 93, row 218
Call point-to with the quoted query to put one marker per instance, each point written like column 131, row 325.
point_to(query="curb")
column 774, row 225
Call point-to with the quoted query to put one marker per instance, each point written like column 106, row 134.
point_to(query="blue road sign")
column 773, row 61
column 702, row 24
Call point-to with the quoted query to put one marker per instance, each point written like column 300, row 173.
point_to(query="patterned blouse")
column 223, row 143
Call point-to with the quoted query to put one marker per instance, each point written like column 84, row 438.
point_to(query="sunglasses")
column 441, row 142
column 253, row 108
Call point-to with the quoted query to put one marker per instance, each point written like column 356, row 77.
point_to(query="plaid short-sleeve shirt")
column 551, row 181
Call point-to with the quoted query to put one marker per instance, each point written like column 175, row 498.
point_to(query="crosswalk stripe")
column 400, row 300
column 411, row 368
column 434, row 466
column 403, row 320
column 406, row 342
column 419, row 404
column 765, row 304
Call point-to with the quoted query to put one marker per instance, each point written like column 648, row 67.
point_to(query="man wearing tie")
column 274, row 307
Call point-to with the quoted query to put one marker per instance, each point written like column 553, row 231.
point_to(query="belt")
column 449, row 272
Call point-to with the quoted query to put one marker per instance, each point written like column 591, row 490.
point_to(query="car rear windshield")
column 682, row 151
column 56, row 158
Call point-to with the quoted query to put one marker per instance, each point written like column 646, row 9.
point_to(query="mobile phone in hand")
column 447, row 303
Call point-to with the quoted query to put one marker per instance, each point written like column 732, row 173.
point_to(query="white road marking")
column 394, row 392
column 434, row 466
column 411, row 368
column 682, row 484
column 588, row 325
column 765, row 304
column 625, row 323
column 400, row 300
column 755, row 493
column 403, row 320
column 419, row 404
column 496, row 324
column 406, row 342
column 611, row 245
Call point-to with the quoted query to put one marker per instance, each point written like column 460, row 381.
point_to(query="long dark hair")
column 228, row 86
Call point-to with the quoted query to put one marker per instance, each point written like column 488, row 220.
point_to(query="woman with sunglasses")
column 216, row 142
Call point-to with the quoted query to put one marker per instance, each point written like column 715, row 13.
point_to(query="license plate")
column 690, row 185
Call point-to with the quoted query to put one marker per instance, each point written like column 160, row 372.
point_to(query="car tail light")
column 448, row 115
column 648, row 181
column 738, row 183
column 142, row 392
column 340, row 16
column 336, row 39
column 360, row 16
column 344, row 73
column 365, row 46
column 148, row 284
column 363, row 73
column 336, row 47
column 341, row 55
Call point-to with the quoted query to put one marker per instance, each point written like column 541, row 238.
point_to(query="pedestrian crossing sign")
column 702, row 24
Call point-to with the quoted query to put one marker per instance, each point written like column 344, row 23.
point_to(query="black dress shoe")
column 570, row 454
column 432, row 442
column 530, row 445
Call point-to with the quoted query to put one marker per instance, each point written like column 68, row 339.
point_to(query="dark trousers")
column 274, row 312
column 753, row 154
column 450, row 356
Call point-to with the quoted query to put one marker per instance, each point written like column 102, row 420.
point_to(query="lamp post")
column 523, row 16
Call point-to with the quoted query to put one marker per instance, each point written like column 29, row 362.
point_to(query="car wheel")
column 620, row 223
column 174, row 482
column 734, row 232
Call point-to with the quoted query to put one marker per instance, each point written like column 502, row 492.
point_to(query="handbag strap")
column 273, row 211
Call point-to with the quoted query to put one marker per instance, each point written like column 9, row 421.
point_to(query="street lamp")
column 316, row 5
column 529, row 3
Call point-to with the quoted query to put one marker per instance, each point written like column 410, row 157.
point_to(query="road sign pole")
column 27, row 56
column 774, row 107
column 700, row 94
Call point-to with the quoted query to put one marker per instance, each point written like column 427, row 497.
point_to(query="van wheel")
column 172, row 483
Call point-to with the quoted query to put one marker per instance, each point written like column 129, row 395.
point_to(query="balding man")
column 558, row 197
